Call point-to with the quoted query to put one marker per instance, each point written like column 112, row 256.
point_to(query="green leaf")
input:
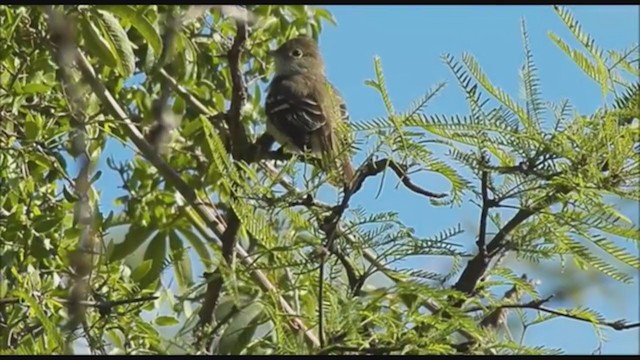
column 139, row 22
column 96, row 176
column 166, row 321
column 96, row 44
column 325, row 14
column 119, row 41
column 32, row 127
column 135, row 237
column 226, row 307
column 381, row 86
column 199, row 245
column 181, row 261
column 497, row 93
column 594, row 71
column 68, row 195
column 179, row 106
column 35, row 88
column 108, row 253
column 240, row 330
column 156, row 252
column 123, row 11
column 149, row 32
column 55, row 341
column 141, row 271
column 46, row 223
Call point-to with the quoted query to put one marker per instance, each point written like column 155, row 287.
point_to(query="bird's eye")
column 296, row 53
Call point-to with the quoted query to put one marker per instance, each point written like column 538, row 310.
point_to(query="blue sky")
column 410, row 41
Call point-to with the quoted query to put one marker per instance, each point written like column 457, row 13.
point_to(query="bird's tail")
column 336, row 161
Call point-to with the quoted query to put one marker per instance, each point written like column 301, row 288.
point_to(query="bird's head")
column 298, row 56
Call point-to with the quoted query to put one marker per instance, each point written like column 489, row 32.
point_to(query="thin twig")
column 103, row 304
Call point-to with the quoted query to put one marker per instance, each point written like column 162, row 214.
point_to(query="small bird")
column 304, row 110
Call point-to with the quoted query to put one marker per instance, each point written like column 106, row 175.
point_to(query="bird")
column 305, row 113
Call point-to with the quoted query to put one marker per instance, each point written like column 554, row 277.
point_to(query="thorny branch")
column 477, row 266
column 215, row 281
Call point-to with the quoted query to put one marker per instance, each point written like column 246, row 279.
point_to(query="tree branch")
column 62, row 36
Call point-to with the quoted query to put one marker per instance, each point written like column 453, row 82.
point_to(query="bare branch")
column 211, row 297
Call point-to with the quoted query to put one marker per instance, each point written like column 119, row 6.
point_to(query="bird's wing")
column 291, row 108
column 344, row 113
